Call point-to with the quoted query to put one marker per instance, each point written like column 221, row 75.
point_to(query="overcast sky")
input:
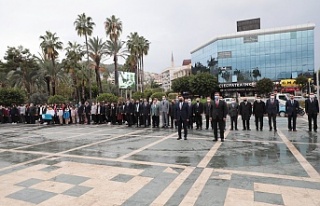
column 172, row 26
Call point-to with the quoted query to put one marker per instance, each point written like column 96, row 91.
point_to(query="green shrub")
column 9, row 96
column 38, row 98
column 137, row 95
column 172, row 96
column 107, row 97
column 56, row 99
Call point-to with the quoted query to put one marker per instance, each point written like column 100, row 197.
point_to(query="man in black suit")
column 292, row 107
column 272, row 109
column 198, row 110
column 181, row 111
column 190, row 112
column 129, row 110
column 219, row 111
column 245, row 111
column 259, row 109
column 145, row 113
column 312, row 110
column 207, row 111
column 137, row 113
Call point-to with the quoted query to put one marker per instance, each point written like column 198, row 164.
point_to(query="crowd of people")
column 179, row 113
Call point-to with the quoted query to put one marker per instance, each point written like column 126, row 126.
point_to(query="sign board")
column 126, row 80
column 247, row 25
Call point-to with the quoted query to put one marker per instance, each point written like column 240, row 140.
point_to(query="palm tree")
column 138, row 47
column 134, row 49
column 72, row 65
column 97, row 48
column 50, row 44
column 144, row 46
column 84, row 26
column 113, row 27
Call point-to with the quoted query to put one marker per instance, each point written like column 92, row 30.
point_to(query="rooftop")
column 260, row 31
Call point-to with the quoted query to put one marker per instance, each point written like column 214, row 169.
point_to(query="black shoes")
column 179, row 138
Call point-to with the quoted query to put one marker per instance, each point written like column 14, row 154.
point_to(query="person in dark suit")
column 181, row 114
column 87, row 111
column 272, row 109
column 245, row 111
column 292, row 107
column 219, row 111
column 312, row 110
column 259, row 109
column 138, row 113
column 190, row 112
column 198, row 111
column 113, row 113
column 207, row 111
column 171, row 114
column 233, row 111
column 129, row 110
column 145, row 113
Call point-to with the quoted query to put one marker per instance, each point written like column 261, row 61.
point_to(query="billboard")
column 247, row 25
column 127, row 80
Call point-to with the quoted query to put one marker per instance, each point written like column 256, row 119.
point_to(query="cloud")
column 177, row 26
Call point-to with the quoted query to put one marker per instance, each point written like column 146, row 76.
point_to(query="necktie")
column 292, row 102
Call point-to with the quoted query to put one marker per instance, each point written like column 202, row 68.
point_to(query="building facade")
column 245, row 57
column 172, row 73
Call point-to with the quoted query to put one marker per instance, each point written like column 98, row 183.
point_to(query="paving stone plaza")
column 99, row 165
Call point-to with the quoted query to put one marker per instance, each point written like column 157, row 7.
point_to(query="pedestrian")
column 154, row 113
column 233, row 111
column 171, row 114
column 245, row 111
column 312, row 110
column 259, row 109
column 272, row 109
column 129, row 110
column 181, row 116
column 207, row 112
column 198, row 111
column 145, row 113
column 219, row 111
column 191, row 113
column 164, row 112
column 292, row 108
column 137, row 113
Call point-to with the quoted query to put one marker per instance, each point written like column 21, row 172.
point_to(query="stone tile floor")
column 116, row 165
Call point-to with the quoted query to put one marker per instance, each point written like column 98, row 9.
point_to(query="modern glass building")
column 245, row 57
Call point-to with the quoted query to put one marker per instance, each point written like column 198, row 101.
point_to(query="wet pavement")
column 116, row 165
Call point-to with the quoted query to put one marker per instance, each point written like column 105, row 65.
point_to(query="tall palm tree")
column 138, row 47
column 97, row 48
column 72, row 64
column 23, row 77
column 144, row 46
column 50, row 45
column 84, row 26
column 133, row 46
column 113, row 27
column 49, row 73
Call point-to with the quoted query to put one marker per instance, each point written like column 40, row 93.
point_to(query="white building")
column 171, row 73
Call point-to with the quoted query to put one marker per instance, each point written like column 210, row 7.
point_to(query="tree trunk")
column 98, row 79
column 142, row 74
column 88, row 67
column 116, row 80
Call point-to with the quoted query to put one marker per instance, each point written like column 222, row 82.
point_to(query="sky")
column 172, row 26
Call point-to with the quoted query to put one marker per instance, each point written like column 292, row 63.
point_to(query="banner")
column 126, row 80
